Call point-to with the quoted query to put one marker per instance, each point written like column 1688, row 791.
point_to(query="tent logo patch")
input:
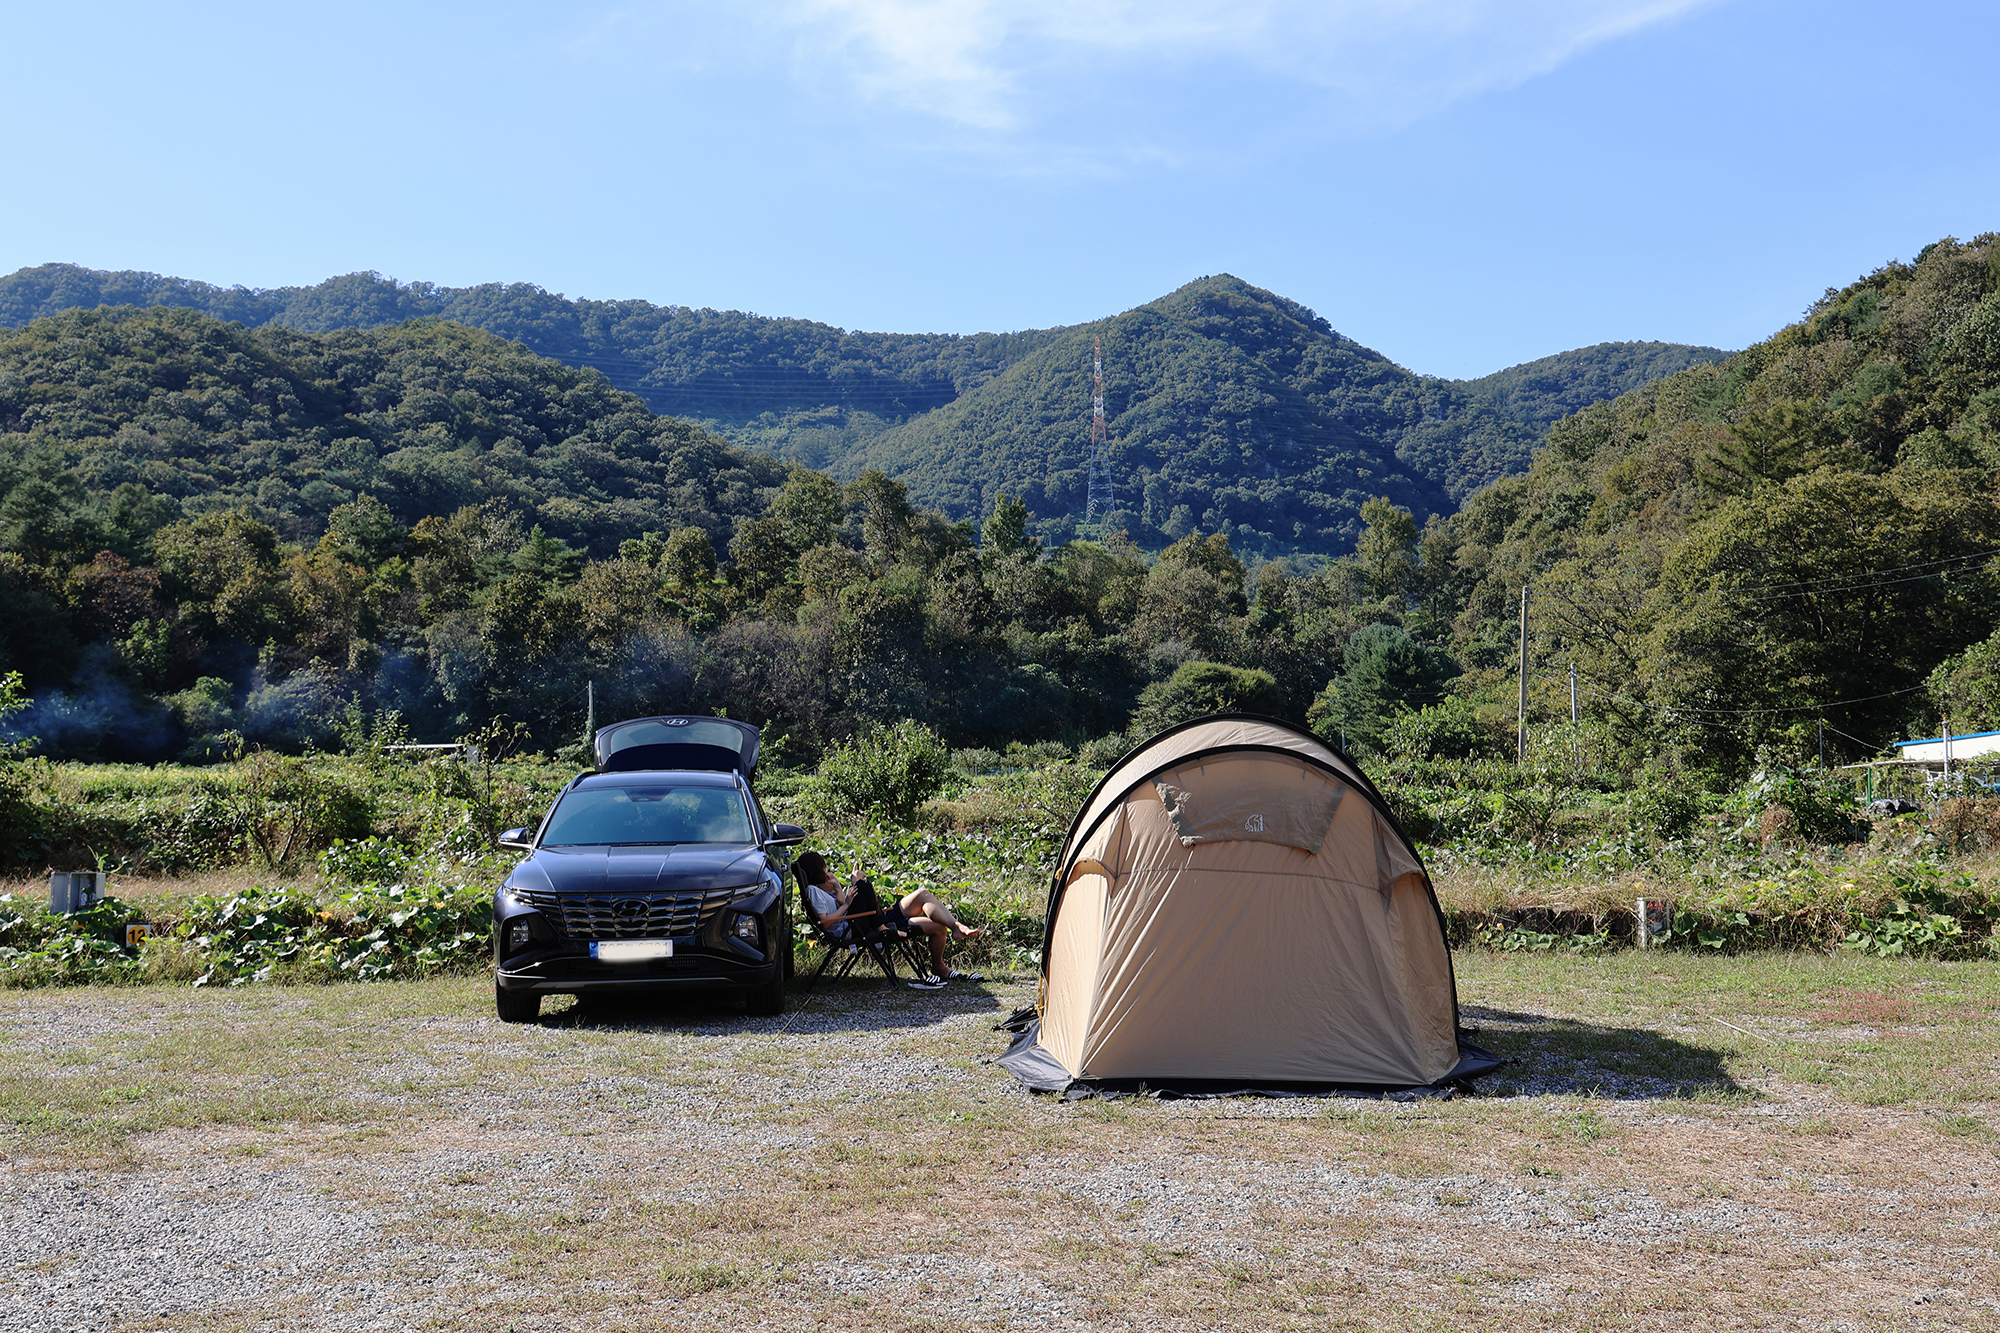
column 1254, row 824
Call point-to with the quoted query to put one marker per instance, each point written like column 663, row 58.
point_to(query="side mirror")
column 516, row 840
column 785, row 835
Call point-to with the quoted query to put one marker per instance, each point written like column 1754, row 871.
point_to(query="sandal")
column 963, row 976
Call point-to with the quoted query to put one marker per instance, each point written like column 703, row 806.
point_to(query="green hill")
column 1230, row 408
column 725, row 367
column 1539, row 393
column 426, row 416
column 1801, row 533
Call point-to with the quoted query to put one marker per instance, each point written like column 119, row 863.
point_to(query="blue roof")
column 1968, row 736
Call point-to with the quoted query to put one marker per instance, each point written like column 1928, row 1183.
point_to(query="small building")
column 1920, row 765
column 1943, row 751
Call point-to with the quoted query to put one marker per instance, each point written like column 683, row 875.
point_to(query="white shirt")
column 824, row 904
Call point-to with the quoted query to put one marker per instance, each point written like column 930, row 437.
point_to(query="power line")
column 1851, row 736
column 1744, row 712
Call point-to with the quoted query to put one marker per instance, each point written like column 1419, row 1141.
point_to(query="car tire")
column 768, row 999
column 516, row 1007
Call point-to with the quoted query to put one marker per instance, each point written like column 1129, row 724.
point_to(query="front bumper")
column 569, row 969
column 709, row 959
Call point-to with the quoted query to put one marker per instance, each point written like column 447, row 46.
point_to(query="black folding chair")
column 863, row 940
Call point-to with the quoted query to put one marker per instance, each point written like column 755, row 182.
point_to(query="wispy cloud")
column 995, row 65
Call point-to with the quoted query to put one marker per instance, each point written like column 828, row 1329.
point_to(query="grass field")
column 1770, row 1140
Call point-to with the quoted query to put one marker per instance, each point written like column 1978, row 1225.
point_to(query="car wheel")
column 767, row 999
column 516, row 1007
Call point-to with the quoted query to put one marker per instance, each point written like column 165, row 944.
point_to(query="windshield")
column 648, row 817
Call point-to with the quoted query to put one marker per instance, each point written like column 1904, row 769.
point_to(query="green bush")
column 21, row 823
column 891, row 770
column 293, row 806
column 1198, row 688
column 1816, row 806
column 1663, row 806
column 1449, row 729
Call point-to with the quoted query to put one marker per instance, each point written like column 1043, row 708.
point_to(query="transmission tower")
column 1103, row 495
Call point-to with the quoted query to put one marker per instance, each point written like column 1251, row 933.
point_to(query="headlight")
column 748, row 929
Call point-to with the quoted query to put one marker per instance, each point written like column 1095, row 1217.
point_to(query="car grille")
column 628, row 916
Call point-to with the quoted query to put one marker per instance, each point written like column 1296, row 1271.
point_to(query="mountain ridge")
column 958, row 419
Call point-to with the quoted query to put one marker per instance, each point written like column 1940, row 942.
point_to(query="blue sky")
column 1462, row 184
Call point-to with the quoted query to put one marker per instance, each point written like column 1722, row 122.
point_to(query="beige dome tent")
column 1235, row 909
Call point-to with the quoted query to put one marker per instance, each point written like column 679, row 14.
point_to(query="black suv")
column 657, row 872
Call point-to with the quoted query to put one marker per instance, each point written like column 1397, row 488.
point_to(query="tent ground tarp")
column 1038, row 1071
column 1235, row 909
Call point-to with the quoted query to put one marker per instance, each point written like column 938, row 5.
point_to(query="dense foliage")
column 213, row 538
column 1734, row 555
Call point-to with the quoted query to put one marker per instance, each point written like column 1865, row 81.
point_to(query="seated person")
column 834, row 904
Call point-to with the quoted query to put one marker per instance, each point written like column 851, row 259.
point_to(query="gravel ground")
column 93, row 1250
column 638, row 1168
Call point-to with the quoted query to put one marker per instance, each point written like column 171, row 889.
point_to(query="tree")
column 550, row 559
column 47, row 516
column 809, row 510
column 1769, row 444
column 1776, row 603
column 1006, row 536
column 1384, row 672
column 887, row 516
column 1965, row 687
column 1211, row 555
column 227, row 564
column 365, row 532
column 1199, row 688
column 1387, row 549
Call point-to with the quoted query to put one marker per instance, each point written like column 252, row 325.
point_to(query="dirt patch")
column 1862, row 1009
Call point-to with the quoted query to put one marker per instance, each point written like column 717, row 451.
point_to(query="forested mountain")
column 1230, row 409
column 718, row 366
column 213, row 535
column 1539, row 393
column 426, row 417
column 1802, row 533
column 1231, row 403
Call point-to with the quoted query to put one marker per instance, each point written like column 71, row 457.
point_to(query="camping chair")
column 861, row 942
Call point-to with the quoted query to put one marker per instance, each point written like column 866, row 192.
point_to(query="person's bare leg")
column 927, row 904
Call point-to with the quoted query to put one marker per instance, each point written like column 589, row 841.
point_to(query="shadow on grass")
column 1566, row 1057
column 851, row 1004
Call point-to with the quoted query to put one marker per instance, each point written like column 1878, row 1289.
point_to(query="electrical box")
column 74, row 890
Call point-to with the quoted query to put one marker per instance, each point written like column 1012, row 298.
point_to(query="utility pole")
column 1572, row 694
column 590, row 717
column 1521, row 737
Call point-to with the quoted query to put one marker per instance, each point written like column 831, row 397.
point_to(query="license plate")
column 630, row 951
